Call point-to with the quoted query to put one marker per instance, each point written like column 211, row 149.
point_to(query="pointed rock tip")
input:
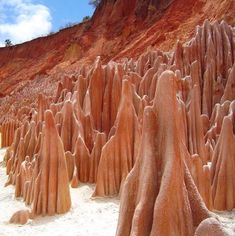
column 227, row 126
column 49, row 118
column 126, row 89
column 166, row 80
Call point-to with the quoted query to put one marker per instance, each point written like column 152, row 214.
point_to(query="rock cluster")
column 158, row 130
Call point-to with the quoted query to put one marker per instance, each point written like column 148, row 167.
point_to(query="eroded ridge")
column 159, row 131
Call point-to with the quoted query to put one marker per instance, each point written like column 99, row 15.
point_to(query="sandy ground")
column 228, row 221
column 86, row 218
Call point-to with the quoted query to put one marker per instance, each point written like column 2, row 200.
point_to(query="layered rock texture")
column 156, row 130
column 118, row 29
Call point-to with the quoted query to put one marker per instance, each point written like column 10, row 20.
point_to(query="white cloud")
column 23, row 20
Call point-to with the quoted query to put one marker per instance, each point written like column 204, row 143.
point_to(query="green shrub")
column 86, row 18
column 8, row 43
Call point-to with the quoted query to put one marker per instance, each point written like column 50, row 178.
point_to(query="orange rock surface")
column 156, row 128
column 160, row 189
column 20, row 217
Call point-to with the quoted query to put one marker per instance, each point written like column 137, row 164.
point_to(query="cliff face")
column 118, row 29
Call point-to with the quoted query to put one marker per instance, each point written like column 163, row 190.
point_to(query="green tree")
column 86, row 18
column 8, row 43
column 94, row 3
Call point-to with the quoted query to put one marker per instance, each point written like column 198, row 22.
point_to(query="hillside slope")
column 118, row 29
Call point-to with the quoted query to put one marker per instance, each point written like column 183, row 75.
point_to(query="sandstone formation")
column 120, row 152
column 160, row 189
column 20, row 217
column 211, row 227
column 222, row 170
column 51, row 188
column 158, row 130
column 118, row 29
column 7, row 129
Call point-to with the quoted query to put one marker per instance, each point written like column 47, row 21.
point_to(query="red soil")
column 116, row 30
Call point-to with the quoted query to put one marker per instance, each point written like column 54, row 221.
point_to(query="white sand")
column 228, row 220
column 86, row 218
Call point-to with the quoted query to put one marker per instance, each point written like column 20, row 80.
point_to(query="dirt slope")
column 118, row 29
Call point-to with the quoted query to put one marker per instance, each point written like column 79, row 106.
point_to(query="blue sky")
column 63, row 12
column 23, row 20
